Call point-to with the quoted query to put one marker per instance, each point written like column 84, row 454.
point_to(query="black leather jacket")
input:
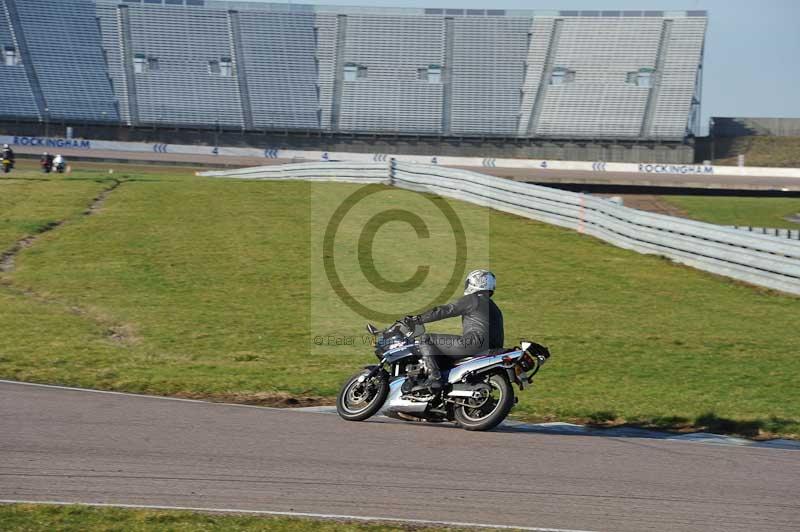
column 479, row 315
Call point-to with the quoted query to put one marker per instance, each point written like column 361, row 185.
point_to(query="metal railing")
column 778, row 232
column 754, row 258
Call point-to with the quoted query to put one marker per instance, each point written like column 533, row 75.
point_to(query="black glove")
column 410, row 321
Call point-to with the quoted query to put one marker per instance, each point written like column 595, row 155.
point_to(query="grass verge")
column 759, row 151
column 78, row 518
column 754, row 212
column 201, row 288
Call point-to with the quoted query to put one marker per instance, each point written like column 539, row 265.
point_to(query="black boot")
column 434, row 380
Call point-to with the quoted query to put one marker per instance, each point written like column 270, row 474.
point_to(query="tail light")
column 539, row 351
column 526, row 363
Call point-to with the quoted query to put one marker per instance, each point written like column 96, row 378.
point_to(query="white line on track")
column 145, row 396
column 293, row 514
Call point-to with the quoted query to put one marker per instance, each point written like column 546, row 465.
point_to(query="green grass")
column 27, row 207
column 193, row 286
column 754, row 212
column 45, row 518
column 759, row 151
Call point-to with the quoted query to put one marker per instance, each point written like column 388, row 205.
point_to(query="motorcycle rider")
column 59, row 163
column 481, row 321
column 8, row 153
column 47, row 162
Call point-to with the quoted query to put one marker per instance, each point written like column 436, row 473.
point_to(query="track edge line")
column 291, row 514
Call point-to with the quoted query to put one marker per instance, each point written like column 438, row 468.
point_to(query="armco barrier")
column 344, row 172
column 758, row 259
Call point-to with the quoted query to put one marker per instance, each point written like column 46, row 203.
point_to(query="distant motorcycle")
column 60, row 167
column 478, row 394
column 8, row 165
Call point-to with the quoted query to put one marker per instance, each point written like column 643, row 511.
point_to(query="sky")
column 752, row 54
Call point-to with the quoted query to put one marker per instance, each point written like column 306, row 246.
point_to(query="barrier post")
column 392, row 171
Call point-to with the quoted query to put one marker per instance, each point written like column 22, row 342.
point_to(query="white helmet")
column 479, row 280
column 5, row 146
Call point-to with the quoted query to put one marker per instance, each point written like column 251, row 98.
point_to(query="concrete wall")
column 643, row 152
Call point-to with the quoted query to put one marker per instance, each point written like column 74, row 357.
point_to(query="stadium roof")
column 261, row 5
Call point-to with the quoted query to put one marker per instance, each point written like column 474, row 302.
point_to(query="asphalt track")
column 531, row 175
column 66, row 445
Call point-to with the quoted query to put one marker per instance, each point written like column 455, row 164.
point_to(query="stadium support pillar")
column 447, row 89
column 237, row 53
column 547, row 73
column 697, row 99
column 27, row 60
column 341, row 43
column 652, row 97
column 126, row 44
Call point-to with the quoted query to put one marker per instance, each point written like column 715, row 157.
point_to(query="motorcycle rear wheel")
column 493, row 412
column 358, row 401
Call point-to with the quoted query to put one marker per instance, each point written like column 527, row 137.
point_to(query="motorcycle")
column 477, row 393
column 7, row 165
column 60, row 167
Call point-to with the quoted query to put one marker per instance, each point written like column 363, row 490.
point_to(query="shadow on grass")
column 769, row 428
column 96, row 179
column 69, row 179
column 7, row 177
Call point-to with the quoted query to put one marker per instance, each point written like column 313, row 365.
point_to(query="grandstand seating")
column 450, row 72
column 63, row 45
column 487, row 74
column 600, row 102
column 16, row 96
column 683, row 54
column 281, row 73
column 182, row 89
column 391, row 96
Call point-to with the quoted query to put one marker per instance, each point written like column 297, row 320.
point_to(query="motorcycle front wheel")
column 489, row 410
column 362, row 398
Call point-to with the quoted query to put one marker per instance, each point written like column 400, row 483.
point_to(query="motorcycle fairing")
column 399, row 353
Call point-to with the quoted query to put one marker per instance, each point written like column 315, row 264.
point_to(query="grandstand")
column 551, row 75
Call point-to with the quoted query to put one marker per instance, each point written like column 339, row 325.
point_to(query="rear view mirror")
column 372, row 329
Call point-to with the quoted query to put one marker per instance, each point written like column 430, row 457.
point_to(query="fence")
column 778, row 232
column 754, row 258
